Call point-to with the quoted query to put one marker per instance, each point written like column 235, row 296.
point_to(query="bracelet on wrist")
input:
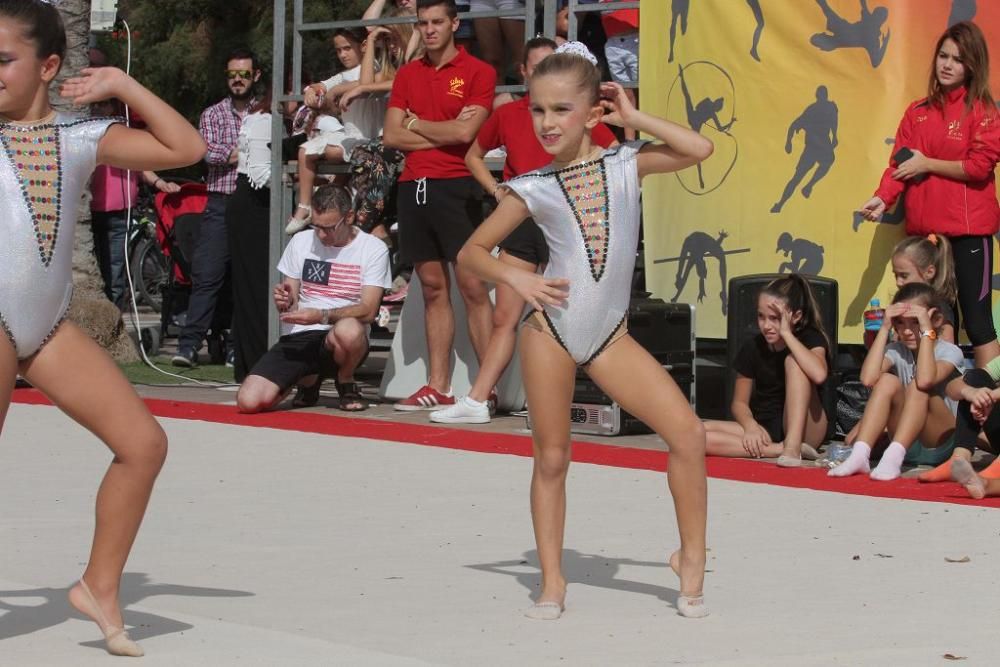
column 409, row 126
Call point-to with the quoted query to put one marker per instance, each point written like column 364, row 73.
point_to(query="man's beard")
column 242, row 97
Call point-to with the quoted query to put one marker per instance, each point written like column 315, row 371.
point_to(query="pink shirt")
column 108, row 187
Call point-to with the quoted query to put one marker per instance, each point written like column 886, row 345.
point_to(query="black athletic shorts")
column 294, row 357
column 437, row 216
column 528, row 243
column 775, row 427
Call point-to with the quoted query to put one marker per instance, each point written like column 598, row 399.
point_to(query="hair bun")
column 577, row 49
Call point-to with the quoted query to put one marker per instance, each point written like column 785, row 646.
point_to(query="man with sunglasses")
column 334, row 276
column 220, row 127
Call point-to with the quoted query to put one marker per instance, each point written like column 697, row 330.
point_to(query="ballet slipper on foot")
column 116, row 639
column 809, row 453
column 545, row 611
column 688, row 606
column 786, row 461
column 962, row 472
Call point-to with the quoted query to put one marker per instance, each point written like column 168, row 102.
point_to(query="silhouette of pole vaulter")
column 758, row 15
column 819, row 122
column 699, row 114
column 961, row 10
column 678, row 13
column 694, row 250
column 865, row 33
column 806, row 256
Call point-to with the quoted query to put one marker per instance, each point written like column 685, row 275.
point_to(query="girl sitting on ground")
column 977, row 423
column 928, row 260
column 908, row 379
column 777, row 406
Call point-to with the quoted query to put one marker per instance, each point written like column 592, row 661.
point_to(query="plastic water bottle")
column 837, row 453
column 873, row 321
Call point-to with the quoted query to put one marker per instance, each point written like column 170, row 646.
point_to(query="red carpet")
column 520, row 445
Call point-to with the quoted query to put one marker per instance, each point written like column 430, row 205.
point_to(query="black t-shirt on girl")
column 766, row 367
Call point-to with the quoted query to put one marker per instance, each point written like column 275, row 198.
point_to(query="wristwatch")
column 929, row 333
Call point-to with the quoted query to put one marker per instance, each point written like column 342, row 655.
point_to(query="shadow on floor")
column 24, row 619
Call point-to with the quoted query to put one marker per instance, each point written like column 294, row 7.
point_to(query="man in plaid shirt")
column 220, row 127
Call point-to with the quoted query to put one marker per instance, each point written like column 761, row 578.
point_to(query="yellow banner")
column 802, row 99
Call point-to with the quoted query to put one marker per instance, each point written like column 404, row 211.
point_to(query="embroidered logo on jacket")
column 955, row 130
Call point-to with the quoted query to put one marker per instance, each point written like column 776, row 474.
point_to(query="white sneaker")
column 465, row 411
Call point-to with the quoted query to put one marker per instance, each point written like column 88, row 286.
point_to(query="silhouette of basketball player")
column 679, row 12
column 696, row 247
column 865, row 33
column 758, row 16
column 961, row 10
column 819, row 122
column 698, row 114
column 806, row 256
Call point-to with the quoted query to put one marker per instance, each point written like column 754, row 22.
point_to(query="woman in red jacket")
column 947, row 147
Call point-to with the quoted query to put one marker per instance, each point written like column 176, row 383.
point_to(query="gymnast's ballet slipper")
column 786, row 461
column 688, row 606
column 809, row 452
column 116, row 640
column 545, row 611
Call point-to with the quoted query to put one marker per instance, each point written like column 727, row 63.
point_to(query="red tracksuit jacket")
column 943, row 205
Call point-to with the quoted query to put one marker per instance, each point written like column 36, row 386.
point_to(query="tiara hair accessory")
column 577, row 49
column 933, row 239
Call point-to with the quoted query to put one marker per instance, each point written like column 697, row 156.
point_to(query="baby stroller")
column 177, row 228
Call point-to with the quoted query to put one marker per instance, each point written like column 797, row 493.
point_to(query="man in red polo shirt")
column 510, row 126
column 439, row 203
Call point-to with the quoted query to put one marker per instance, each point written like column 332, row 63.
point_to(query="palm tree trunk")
column 90, row 309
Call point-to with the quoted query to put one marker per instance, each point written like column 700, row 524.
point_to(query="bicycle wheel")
column 150, row 273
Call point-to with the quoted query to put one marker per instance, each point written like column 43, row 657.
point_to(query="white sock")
column 473, row 402
column 891, row 464
column 856, row 463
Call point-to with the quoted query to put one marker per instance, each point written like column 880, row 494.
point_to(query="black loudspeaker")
column 742, row 325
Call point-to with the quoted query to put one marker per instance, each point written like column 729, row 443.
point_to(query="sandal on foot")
column 295, row 224
column 545, row 611
column 307, row 397
column 116, row 640
column 351, row 399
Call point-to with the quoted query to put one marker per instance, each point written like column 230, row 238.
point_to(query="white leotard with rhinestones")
column 43, row 171
column 589, row 214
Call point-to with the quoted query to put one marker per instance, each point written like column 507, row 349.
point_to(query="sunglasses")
column 239, row 74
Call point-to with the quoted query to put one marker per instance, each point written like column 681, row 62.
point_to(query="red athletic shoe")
column 425, row 398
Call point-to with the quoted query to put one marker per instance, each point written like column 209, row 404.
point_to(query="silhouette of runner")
column 758, row 15
column 806, row 256
column 678, row 11
column 696, row 247
column 961, row 10
column 865, row 33
column 698, row 114
column 819, row 122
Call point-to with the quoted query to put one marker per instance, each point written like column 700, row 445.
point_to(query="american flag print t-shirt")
column 333, row 277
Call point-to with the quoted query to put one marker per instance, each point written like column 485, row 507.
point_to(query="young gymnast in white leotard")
column 587, row 205
column 46, row 162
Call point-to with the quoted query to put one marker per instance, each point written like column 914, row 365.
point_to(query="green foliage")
column 179, row 47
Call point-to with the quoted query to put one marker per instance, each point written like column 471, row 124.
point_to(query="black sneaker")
column 185, row 358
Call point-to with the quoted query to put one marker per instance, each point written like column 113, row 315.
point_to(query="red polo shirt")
column 511, row 126
column 439, row 94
